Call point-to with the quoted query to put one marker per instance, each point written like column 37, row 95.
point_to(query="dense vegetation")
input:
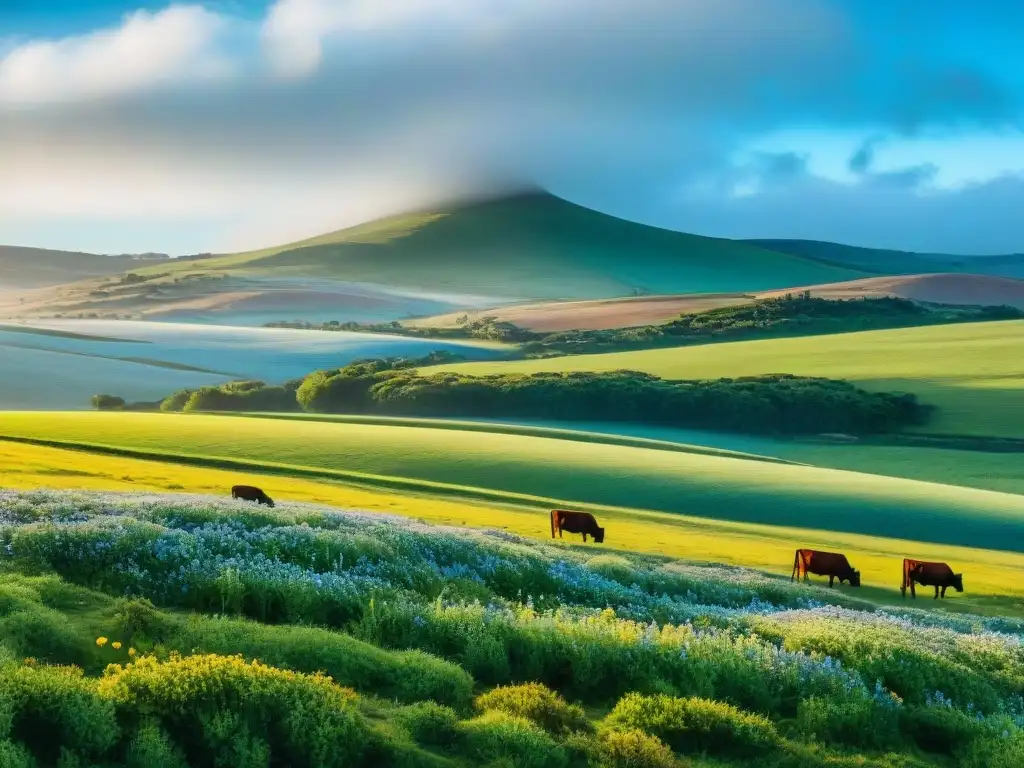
column 774, row 404
column 789, row 315
column 307, row 636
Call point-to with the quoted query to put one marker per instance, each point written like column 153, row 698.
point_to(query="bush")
column 1003, row 749
column 536, row 703
column 696, row 725
column 150, row 747
column 15, row 756
column 942, row 730
column 407, row 676
column 107, row 402
column 853, row 721
column 306, row 719
column 634, row 749
column 430, row 724
column 496, row 736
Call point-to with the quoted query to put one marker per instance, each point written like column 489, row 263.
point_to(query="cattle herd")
column 807, row 561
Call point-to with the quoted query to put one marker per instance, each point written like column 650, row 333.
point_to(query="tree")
column 107, row 402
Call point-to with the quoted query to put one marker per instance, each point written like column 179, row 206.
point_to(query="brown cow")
column 938, row 575
column 251, row 493
column 575, row 522
column 831, row 564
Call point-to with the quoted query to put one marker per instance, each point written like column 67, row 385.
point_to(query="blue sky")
column 135, row 126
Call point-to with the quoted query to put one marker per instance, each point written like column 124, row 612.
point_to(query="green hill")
column 530, row 245
column 887, row 262
column 39, row 268
column 974, row 373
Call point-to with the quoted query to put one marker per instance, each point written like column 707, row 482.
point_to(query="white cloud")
column 179, row 44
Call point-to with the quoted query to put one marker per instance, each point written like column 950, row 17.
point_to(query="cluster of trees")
column 788, row 315
column 772, row 404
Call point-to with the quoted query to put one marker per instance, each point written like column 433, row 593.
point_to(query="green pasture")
column 973, row 373
column 523, row 468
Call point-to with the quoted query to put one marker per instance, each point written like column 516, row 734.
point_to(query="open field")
column 974, row 373
column 993, row 585
column 61, row 364
column 944, row 288
column 521, row 469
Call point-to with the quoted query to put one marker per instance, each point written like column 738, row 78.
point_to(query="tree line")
column 779, row 404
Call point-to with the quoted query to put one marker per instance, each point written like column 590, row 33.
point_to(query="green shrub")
column 45, row 635
column 942, row 730
column 406, row 676
column 306, row 719
column 150, row 747
column 854, row 721
column 634, row 749
column 57, row 707
column 696, row 725
column 495, row 737
column 107, row 402
column 536, row 703
column 15, row 756
column 430, row 724
column 1000, row 749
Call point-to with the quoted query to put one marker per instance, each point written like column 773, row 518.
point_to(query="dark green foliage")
column 241, row 396
column 854, row 722
column 176, row 401
column 499, row 738
column 150, row 747
column 430, row 724
column 107, row 402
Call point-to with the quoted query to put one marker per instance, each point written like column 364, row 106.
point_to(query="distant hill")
column 943, row 288
column 528, row 246
column 22, row 268
column 889, row 262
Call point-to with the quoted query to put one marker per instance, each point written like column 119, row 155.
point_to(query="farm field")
column 61, row 364
column 521, row 469
column 973, row 373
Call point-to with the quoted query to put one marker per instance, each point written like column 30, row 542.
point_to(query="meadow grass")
column 973, row 373
column 539, row 471
column 449, row 647
column 991, row 576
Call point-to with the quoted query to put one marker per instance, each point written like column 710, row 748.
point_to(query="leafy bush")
column 941, row 730
column 150, row 747
column 634, row 749
column 852, row 721
column 197, row 700
column 14, row 755
column 107, row 402
column 1004, row 749
column 696, row 725
column 537, row 704
column 496, row 736
column 430, row 724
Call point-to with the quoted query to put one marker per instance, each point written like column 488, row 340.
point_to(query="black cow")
column 576, row 522
column 831, row 564
column 251, row 493
column 938, row 575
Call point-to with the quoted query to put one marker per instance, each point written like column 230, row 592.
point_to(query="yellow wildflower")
column 131, row 651
column 101, row 641
column 116, row 645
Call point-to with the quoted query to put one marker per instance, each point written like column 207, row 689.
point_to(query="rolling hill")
column 29, row 268
column 886, row 261
column 484, row 252
column 973, row 372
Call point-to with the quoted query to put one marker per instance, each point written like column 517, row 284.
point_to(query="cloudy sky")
column 131, row 125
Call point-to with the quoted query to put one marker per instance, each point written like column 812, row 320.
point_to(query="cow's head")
column 268, row 501
column 599, row 535
column 958, row 582
column 854, row 577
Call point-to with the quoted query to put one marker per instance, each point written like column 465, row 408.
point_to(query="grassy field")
column 993, row 586
column 703, row 493
column 974, row 373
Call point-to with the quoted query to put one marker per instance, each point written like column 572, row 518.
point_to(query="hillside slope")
column 887, row 261
column 479, row 253
column 22, row 268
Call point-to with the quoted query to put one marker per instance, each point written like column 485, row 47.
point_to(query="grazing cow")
column 938, row 575
column 830, row 564
column 575, row 522
column 251, row 493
